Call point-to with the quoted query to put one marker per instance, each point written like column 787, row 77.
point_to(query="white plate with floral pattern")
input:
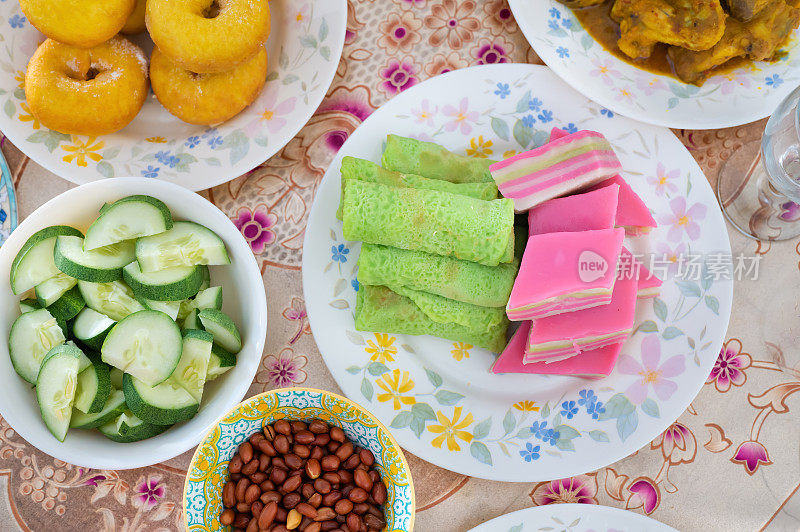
column 438, row 397
column 729, row 99
column 572, row 518
column 304, row 47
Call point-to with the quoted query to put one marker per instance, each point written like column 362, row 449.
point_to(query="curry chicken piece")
column 691, row 24
column 581, row 3
column 757, row 39
column 745, row 10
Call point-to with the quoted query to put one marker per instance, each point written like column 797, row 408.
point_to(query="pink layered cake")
column 581, row 212
column 567, row 164
column 594, row 363
column 565, row 272
column 565, row 335
column 632, row 214
column 629, row 267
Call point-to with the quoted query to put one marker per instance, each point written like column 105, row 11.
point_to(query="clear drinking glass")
column 759, row 186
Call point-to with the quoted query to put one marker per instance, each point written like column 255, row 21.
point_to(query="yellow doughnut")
column 207, row 99
column 135, row 23
column 83, row 23
column 86, row 91
column 207, row 36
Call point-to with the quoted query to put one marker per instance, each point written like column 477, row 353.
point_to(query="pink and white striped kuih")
column 558, row 168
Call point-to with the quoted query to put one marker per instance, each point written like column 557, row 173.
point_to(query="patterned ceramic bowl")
column 208, row 472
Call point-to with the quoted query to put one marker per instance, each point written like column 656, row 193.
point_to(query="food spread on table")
column 120, row 328
column 690, row 39
column 308, row 476
column 208, row 63
column 448, row 261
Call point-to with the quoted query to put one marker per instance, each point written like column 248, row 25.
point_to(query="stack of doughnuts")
column 84, row 79
column 208, row 64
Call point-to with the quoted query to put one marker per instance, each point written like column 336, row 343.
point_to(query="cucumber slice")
column 192, row 322
column 114, row 299
column 186, row 244
column 190, row 373
column 32, row 336
column 29, row 305
column 49, row 291
column 55, row 388
column 128, row 428
column 163, row 404
column 170, row 308
column 84, row 361
column 226, row 334
column 94, row 387
column 34, row 262
column 219, row 362
column 126, row 219
column 100, row 265
column 146, row 344
column 91, row 328
column 185, row 308
column 115, row 405
column 173, row 284
column 209, row 298
column 116, row 377
column 68, row 306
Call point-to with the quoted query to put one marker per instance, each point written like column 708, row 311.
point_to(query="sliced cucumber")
column 126, row 219
column 49, row 291
column 29, row 305
column 226, row 334
column 163, row 404
column 186, row 244
column 219, row 362
column 84, row 361
column 186, row 306
column 91, row 328
column 114, row 299
column 206, row 278
column 32, row 336
column 68, row 305
column 146, row 344
column 190, row 373
column 116, row 377
column 100, row 265
column 208, row 298
column 94, row 387
column 55, row 388
column 34, row 262
column 192, row 321
column 115, row 405
column 173, row 284
column 170, row 308
column 128, row 428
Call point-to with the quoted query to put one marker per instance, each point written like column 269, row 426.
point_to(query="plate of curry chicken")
column 694, row 64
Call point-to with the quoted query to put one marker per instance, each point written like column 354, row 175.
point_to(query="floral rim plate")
column 738, row 97
column 572, row 518
column 8, row 201
column 303, row 49
column 439, row 397
column 207, row 473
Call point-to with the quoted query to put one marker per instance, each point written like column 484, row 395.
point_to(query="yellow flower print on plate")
column 451, row 430
column 395, row 384
column 79, row 150
column 382, row 349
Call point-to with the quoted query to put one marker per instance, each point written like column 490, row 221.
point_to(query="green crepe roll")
column 363, row 170
column 443, row 310
column 460, row 280
column 378, row 309
column 411, row 156
column 430, row 221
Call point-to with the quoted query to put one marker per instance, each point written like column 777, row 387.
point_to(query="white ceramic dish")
column 733, row 98
column 303, row 48
column 244, row 300
column 572, row 518
column 438, row 397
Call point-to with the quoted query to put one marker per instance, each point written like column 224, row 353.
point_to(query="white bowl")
column 244, row 300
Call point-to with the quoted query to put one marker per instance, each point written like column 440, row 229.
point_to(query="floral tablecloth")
column 730, row 462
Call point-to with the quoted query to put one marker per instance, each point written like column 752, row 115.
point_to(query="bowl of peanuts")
column 299, row 459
